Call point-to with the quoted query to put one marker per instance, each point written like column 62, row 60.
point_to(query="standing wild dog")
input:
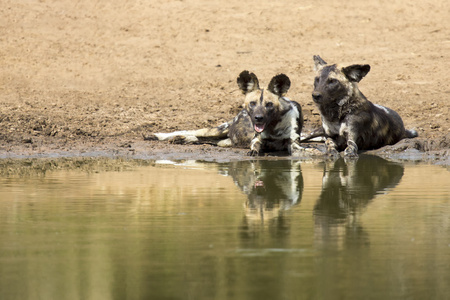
column 349, row 120
column 268, row 122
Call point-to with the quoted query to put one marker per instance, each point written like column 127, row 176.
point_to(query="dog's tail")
column 317, row 135
column 411, row 133
column 192, row 136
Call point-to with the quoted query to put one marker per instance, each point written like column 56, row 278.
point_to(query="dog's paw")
column 181, row 139
column 294, row 147
column 253, row 153
column 350, row 153
column 352, row 150
column 330, row 147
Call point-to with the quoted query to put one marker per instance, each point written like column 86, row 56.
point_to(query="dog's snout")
column 317, row 96
column 259, row 118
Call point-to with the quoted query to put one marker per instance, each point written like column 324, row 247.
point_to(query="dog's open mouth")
column 259, row 127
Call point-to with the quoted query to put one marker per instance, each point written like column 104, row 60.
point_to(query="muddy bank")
column 435, row 151
column 90, row 78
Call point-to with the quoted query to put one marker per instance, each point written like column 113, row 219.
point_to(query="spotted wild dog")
column 268, row 122
column 349, row 120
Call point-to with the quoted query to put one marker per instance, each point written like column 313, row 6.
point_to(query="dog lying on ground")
column 268, row 122
column 349, row 120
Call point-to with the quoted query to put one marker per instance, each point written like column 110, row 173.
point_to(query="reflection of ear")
column 247, row 82
column 319, row 63
column 356, row 72
column 279, row 85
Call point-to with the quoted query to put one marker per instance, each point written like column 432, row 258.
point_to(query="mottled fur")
column 268, row 122
column 349, row 120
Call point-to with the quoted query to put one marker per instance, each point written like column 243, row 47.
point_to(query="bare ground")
column 93, row 77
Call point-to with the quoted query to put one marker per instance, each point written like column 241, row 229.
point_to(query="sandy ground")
column 85, row 77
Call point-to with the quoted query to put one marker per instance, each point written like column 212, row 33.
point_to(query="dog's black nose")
column 259, row 118
column 317, row 96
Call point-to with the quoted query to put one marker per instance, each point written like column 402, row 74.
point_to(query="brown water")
column 113, row 229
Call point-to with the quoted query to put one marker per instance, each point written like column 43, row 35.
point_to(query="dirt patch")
column 86, row 77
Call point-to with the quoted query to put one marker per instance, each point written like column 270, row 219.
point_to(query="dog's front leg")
column 350, row 131
column 255, row 146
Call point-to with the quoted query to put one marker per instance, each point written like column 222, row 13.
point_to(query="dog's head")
column 334, row 84
column 263, row 106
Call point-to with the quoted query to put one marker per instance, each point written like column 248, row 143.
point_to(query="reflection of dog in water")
column 347, row 188
column 271, row 186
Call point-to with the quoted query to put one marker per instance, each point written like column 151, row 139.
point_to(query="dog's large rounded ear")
column 279, row 85
column 319, row 63
column 247, row 82
column 356, row 72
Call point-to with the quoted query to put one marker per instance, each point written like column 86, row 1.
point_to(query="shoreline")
column 435, row 151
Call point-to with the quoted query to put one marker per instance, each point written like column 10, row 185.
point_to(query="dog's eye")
column 332, row 81
column 252, row 103
column 269, row 105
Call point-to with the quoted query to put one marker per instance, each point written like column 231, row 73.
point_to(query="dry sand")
column 93, row 77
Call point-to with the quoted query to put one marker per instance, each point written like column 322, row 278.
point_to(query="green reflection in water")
column 103, row 228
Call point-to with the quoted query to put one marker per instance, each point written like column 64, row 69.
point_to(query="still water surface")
column 113, row 229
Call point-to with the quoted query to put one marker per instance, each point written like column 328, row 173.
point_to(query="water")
column 117, row 229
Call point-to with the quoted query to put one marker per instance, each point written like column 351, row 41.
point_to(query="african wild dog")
column 349, row 120
column 268, row 122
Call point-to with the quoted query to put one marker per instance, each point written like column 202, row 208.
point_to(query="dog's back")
column 390, row 124
column 379, row 126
